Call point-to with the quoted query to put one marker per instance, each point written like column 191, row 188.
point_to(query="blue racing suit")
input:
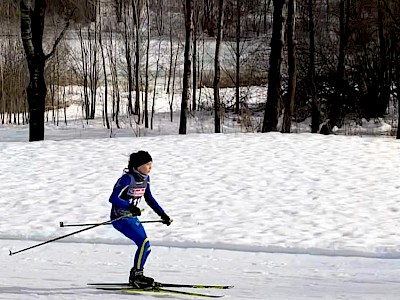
column 129, row 189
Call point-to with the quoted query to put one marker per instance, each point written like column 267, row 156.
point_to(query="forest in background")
column 330, row 61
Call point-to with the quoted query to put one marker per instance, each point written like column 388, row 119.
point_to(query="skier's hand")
column 166, row 219
column 135, row 211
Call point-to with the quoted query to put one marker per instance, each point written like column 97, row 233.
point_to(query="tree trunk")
column 187, row 65
column 194, row 75
column 94, row 73
column 208, row 17
column 112, row 53
column 337, row 101
column 118, row 10
column 146, row 90
column 237, row 83
column 171, row 101
column 105, row 110
column 85, row 73
column 32, row 26
column 137, row 8
column 217, row 68
column 194, row 63
column 311, row 70
column 274, row 75
column 155, row 84
column 289, row 101
column 127, row 36
column 397, row 69
column 171, row 53
column 384, row 83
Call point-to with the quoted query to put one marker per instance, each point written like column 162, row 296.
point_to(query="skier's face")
column 146, row 168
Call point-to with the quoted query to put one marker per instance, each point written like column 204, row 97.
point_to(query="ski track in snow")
column 61, row 271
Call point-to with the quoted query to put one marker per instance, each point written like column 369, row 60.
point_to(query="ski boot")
column 139, row 281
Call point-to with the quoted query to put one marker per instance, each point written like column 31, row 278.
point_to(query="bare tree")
column 90, row 69
column 274, row 75
column 155, row 83
column 137, row 13
column 32, row 27
column 290, row 99
column 188, row 9
column 118, row 6
column 128, row 38
column 392, row 8
column 311, row 69
column 237, row 81
column 208, row 17
column 171, row 98
column 116, row 99
column 146, row 89
column 217, row 68
column 196, row 19
column 336, row 103
column 171, row 53
column 384, row 77
column 397, row 55
column 105, row 108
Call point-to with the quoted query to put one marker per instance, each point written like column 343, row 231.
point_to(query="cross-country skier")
column 127, row 193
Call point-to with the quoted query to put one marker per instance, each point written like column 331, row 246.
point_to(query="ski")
column 167, row 285
column 157, row 290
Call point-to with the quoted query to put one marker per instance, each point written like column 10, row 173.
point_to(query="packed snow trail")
column 62, row 271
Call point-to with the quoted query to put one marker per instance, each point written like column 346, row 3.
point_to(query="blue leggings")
column 133, row 229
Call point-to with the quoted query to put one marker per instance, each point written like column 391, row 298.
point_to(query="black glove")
column 166, row 220
column 135, row 211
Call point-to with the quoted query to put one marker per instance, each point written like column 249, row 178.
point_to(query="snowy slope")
column 247, row 210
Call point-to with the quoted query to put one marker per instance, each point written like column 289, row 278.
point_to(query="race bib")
column 136, row 192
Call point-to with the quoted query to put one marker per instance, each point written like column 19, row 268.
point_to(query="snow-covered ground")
column 61, row 271
column 280, row 216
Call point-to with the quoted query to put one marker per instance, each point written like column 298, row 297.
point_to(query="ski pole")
column 72, row 233
column 92, row 224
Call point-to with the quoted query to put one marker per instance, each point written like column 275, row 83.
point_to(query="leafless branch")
column 58, row 40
